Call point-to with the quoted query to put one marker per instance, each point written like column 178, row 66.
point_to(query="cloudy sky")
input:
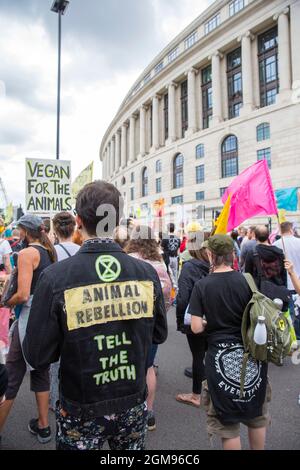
column 106, row 45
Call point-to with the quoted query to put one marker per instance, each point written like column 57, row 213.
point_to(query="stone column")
column 248, row 90
column 106, row 164
column 124, row 147
column 132, row 139
column 192, row 101
column 284, row 53
column 118, row 151
column 216, row 88
column 113, row 156
column 109, row 161
column 172, row 112
column 155, row 122
column 103, row 166
column 143, row 110
column 295, row 31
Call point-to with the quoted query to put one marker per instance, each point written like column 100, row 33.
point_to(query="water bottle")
column 260, row 333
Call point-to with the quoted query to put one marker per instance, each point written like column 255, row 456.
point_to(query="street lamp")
column 59, row 6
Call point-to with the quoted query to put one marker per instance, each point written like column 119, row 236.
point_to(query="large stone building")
column 222, row 95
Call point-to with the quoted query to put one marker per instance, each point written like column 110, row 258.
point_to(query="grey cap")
column 32, row 222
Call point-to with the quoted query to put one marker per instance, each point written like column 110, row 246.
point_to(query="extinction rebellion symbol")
column 108, row 268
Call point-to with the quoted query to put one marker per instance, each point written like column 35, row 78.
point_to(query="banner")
column 48, row 186
column 251, row 194
column 85, row 177
column 287, row 199
column 9, row 214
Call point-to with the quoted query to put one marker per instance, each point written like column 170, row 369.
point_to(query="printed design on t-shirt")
column 229, row 362
column 173, row 244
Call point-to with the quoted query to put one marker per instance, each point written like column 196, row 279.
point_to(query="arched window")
column 263, row 132
column 145, row 182
column 230, row 157
column 123, row 182
column 158, row 166
column 178, row 171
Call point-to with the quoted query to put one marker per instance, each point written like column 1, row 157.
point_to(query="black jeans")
column 197, row 346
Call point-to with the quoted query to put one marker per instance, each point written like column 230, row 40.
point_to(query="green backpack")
column 278, row 332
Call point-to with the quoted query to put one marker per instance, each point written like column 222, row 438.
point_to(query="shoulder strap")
column 251, row 283
column 65, row 249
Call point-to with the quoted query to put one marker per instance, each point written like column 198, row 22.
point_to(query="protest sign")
column 48, row 186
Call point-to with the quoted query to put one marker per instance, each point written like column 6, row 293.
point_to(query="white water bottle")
column 260, row 333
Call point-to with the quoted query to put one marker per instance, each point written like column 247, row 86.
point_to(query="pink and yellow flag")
column 251, row 194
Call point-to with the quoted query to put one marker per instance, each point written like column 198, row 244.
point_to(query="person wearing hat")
column 217, row 305
column 194, row 269
column 37, row 255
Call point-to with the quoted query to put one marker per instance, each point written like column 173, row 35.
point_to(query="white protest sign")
column 48, row 186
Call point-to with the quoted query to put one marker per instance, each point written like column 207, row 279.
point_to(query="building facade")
column 222, row 95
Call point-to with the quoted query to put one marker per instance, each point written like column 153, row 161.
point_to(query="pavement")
column 179, row 426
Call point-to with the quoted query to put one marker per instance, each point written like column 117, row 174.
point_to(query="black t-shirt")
column 171, row 246
column 222, row 299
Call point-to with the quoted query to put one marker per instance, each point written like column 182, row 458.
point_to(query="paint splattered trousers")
column 124, row 431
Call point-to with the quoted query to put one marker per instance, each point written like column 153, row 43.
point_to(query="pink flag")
column 252, row 194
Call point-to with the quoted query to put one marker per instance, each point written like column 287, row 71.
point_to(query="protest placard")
column 48, row 186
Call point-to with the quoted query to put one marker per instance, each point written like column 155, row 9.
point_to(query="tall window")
column 234, row 79
column 184, row 107
column 177, row 200
column 145, row 182
column 236, row 6
column 265, row 154
column 158, row 166
column 263, row 132
column 158, row 68
column 190, row 40
column 207, row 105
column 200, row 177
column 230, row 157
column 178, row 171
column 173, row 55
column 158, row 185
column 200, row 151
column 166, row 115
column 132, row 177
column 222, row 191
column 200, row 196
column 147, row 78
column 213, row 23
column 132, row 194
column 268, row 66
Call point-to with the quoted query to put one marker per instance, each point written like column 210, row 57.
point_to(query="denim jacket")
column 100, row 311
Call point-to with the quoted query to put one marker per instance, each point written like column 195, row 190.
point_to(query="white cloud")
column 94, row 81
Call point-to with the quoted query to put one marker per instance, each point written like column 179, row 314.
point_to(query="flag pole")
column 282, row 238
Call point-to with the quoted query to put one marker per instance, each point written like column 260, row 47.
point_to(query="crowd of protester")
column 65, row 320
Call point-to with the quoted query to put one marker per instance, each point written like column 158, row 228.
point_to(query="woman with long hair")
column 192, row 271
column 32, row 260
column 143, row 245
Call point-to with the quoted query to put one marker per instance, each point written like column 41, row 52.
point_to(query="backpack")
column 278, row 333
column 279, row 339
column 269, row 279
